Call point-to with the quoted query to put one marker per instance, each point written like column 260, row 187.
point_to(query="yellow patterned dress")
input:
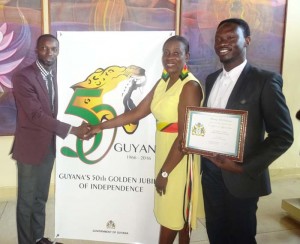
column 174, row 208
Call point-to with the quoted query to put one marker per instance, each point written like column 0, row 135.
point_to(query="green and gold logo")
column 87, row 103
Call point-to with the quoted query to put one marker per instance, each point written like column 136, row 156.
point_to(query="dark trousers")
column 229, row 220
column 33, row 189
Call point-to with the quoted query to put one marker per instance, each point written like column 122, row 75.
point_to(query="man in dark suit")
column 35, row 92
column 231, row 190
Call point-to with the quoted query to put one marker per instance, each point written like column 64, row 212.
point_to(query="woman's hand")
column 161, row 184
column 183, row 148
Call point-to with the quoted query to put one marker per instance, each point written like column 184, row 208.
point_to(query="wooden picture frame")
column 209, row 131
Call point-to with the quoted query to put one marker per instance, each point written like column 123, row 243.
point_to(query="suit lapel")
column 40, row 79
column 239, row 87
column 42, row 83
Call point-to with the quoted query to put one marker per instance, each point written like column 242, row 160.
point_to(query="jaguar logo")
column 87, row 103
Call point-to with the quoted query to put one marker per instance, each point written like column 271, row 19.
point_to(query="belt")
column 167, row 127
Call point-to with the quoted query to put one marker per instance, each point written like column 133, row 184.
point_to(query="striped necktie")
column 50, row 89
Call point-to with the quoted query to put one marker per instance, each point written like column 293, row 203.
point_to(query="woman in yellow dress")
column 175, row 204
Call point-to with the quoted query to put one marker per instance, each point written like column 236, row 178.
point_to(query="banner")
column 105, row 186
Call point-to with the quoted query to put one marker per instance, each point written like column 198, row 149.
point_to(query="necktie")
column 50, row 89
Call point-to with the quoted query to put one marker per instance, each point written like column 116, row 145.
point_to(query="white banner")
column 105, row 186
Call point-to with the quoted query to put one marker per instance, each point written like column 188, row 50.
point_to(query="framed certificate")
column 208, row 131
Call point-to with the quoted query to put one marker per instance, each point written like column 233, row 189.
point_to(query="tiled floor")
column 274, row 225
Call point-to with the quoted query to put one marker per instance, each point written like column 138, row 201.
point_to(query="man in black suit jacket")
column 231, row 190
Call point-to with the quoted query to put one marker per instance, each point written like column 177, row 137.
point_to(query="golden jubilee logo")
column 87, row 103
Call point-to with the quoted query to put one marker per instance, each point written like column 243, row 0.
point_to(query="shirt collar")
column 235, row 72
column 44, row 72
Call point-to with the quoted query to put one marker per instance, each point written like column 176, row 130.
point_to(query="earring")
column 184, row 72
column 165, row 75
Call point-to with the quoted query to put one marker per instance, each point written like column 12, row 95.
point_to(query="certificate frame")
column 210, row 131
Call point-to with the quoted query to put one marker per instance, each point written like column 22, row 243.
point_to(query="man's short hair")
column 240, row 22
column 45, row 36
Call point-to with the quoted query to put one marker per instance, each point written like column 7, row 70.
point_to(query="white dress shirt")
column 223, row 87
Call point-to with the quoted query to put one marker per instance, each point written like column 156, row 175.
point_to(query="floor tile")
column 8, row 230
column 279, row 237
column 274, row 224
column 2, row 208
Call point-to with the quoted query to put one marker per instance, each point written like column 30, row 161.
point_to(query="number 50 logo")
column 87, row 103
column 93, row 116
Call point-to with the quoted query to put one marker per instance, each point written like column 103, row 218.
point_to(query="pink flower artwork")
column 5, row 54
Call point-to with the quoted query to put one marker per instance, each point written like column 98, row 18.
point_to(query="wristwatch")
column 164, row 174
